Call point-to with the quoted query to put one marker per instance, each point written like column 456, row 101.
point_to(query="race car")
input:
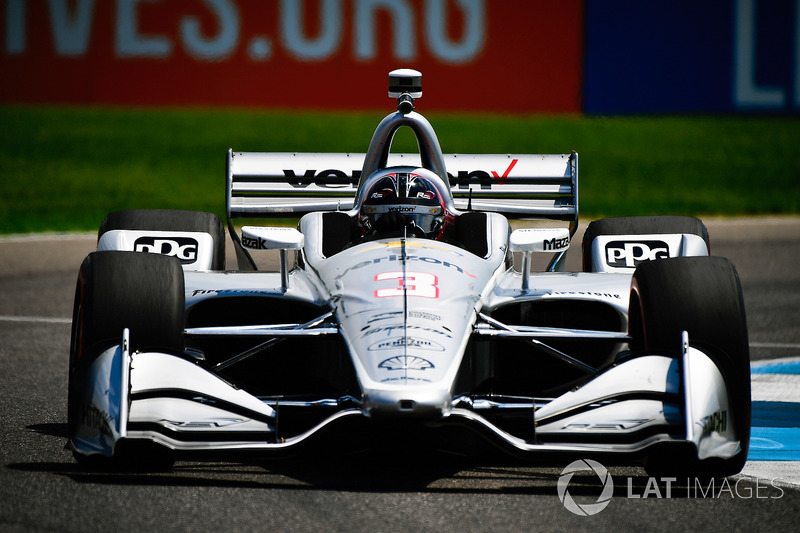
column 405, row 305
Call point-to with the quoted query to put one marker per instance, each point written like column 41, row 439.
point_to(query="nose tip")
column 421, row 404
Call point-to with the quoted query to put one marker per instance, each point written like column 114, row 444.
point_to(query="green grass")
column 63, row 169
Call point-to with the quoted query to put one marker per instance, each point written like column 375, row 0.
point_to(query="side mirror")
column 539, row 240
column 274, row 238
column 528, row 240
column 271, row 238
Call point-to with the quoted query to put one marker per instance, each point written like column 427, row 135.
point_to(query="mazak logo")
column 585, row 509
column 184, row 248
column 628, row 254
column 254, row 243
column 555, row 244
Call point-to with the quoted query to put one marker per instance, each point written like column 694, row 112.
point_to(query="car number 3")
column 411, row 283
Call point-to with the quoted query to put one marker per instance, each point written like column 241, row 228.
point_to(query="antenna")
column 405, row 84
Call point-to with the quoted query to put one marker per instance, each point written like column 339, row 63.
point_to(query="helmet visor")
column 425, row 217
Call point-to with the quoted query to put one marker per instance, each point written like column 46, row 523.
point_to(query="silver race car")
column 406, row 306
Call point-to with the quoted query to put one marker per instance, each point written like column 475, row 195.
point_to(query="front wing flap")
column 104, row 402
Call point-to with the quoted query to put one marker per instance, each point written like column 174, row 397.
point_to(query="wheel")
column 170, row 220
column 703, row 296
column 117, row 290
column 649, row 225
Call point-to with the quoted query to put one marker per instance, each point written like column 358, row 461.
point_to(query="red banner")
column 509, row 56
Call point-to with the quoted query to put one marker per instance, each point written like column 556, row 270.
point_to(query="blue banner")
column 691, row 56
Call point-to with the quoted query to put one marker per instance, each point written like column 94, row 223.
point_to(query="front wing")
column 637, row 403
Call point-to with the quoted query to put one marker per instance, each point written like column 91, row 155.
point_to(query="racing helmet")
column 414, row 199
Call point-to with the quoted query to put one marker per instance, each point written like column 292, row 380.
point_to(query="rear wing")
column 272, row 184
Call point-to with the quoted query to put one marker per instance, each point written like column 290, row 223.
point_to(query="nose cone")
column 407, row 402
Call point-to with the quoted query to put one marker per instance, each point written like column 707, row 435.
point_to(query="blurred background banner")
column 509, row 56
column 663, row 56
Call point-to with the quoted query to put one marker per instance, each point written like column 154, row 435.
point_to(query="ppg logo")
column 183, row 248
column 623, row 254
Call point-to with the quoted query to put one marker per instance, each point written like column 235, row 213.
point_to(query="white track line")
column 790, row 345
column 38, row 237
column 765, row 387
column 786, row 345
column 39, row 319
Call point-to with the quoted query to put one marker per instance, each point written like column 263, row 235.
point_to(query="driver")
column 405, row 202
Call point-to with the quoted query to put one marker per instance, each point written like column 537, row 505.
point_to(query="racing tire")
column 643, row 225
column 703, row 296
column 117, row 290
column 170, row 220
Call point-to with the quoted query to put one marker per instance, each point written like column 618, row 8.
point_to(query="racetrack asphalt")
column 43, row 489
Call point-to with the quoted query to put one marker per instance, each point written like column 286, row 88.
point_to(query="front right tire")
column 703, row 296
